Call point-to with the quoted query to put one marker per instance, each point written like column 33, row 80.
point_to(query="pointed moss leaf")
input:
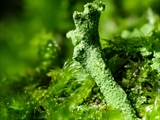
column 15, row 107
column 80, row 94
column 71, row 71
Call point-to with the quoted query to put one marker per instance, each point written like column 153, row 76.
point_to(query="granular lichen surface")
column 88, row 52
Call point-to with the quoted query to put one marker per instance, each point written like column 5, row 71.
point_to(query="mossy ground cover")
column 39, row 81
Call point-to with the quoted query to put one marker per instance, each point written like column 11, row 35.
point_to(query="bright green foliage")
column 36, row 84
column 15, row 107
column 137, row 62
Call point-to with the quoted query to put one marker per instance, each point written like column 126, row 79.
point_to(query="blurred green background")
column 26, row 24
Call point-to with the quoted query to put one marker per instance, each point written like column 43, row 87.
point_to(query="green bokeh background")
column 25, row 24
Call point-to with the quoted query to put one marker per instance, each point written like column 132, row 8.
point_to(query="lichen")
column 88, row 52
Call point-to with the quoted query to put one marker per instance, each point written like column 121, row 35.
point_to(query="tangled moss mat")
column 113, row 79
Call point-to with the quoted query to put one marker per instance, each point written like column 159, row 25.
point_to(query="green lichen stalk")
column 88, row 53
